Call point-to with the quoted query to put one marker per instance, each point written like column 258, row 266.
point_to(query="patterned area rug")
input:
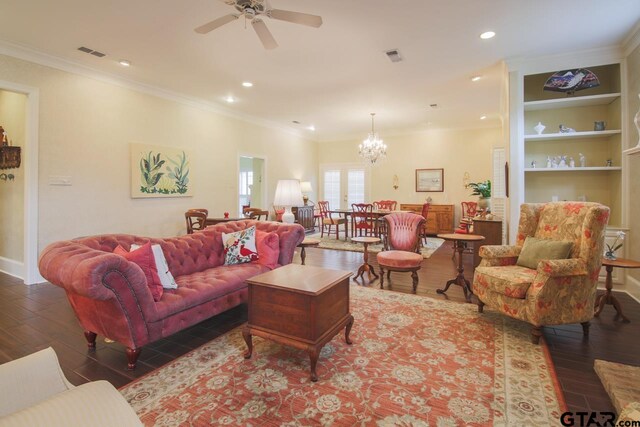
column 415, row 361
column 433, row 243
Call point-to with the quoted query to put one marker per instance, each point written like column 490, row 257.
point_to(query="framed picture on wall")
column 429, row 180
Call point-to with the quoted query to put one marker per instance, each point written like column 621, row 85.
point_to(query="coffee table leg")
column 347, row 331
column 303, row 255
column 246, row 334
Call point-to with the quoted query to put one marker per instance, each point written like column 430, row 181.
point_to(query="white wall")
column 86, row 126
column 457, row 151
column 12, row 119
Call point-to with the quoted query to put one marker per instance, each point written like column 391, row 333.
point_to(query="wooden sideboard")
column 439, row 219
column 491, row 229
column 304, row 217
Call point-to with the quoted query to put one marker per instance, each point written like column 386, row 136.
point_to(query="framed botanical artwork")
column 428, row 180
column 158, row 171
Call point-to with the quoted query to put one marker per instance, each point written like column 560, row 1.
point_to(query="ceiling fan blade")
column 210, row 26
column 296, row 17
column 264, row 34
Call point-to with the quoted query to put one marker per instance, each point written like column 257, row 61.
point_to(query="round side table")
column 460, row 241
column 307, row 243
column 608, row 297
column 366, row 266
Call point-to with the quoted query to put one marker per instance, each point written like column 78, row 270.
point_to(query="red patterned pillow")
column 143, row 257
column 240, row 247
column 268, row 245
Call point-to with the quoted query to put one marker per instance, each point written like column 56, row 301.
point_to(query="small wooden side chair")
column 195, row 219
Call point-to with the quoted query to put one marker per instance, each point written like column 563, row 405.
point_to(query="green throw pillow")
column 535, row 249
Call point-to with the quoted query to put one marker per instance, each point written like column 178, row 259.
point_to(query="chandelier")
column 372, row 150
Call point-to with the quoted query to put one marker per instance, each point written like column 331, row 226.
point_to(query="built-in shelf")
column 572, row 135
column 590, row 168
column 578, row 101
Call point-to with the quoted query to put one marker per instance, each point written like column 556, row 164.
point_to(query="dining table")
column 346, row 213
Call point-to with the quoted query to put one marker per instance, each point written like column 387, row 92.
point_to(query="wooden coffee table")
column 300, row 306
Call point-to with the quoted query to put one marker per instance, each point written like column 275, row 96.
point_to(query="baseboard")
column 12, row 267
column 633, row 287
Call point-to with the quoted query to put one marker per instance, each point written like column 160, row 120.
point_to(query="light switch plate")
column 59, row 180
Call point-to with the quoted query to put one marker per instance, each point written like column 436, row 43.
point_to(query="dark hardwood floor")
column 35, row 317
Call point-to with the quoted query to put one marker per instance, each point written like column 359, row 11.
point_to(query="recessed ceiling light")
column 475, row 78
column 487, row 35
column 229, row 99
column 483, row 117
column 124, row 63
column 311, row 128
column 247, row 84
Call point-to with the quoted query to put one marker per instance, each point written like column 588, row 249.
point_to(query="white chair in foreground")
column 35, row 393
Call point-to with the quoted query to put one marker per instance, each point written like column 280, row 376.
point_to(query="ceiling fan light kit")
column 252, row 10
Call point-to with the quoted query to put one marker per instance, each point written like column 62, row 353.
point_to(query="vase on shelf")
column 539, row 128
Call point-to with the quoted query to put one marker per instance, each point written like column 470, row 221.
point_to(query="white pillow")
column 166, row 278
column 240, row 247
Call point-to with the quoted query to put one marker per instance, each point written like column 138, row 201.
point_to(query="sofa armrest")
column 93, row 273
column 93, row 404
column 562, row 267
column 29, row 380
column 496, row 255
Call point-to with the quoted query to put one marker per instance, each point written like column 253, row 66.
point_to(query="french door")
column 344, row 184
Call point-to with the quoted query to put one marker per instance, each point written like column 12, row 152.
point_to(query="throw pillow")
column 268, row 245
column 143, row 257
column 535, row 249
column 240, row 247
column 166, row 278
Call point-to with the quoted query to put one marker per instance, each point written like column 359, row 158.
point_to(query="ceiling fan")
column 252, row 10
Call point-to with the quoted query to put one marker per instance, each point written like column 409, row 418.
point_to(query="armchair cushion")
column 535, row 250
column 399, row 259
column 513, row 280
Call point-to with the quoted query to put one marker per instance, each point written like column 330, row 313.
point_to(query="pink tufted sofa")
column 110, row 295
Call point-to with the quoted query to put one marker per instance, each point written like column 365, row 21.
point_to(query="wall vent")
column 394, row 55
column 91, row 51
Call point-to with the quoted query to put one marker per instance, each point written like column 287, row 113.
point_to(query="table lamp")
column 288, row 194
column 305, row 187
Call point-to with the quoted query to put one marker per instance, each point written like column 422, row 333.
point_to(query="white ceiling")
column 333, row 76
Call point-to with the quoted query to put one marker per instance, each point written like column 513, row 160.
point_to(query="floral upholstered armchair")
column 558, row 291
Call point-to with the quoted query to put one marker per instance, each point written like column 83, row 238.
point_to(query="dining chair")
column 256, row 213
column 424, row 214
column 362, row 219
column 385, row 205
column 278, row 211
column 467, row 213
column 196, row 219
column 328, row 220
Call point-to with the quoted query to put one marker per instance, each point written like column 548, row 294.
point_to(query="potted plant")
column 482, row 189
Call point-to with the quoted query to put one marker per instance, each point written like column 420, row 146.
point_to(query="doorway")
column 251, row 183
column 20, row 256
column 344, row 184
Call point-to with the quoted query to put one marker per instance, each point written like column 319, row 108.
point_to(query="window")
column 355, row 186
column 332, row 188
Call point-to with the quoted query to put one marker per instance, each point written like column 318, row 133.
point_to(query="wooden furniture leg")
column 91, row 339
column 132, row 357
column 608, row 298
column 459, row 279
column 246, row 334
column 303, row 255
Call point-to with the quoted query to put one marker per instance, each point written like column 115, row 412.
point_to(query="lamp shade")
column 288, row 193
column 305, row 187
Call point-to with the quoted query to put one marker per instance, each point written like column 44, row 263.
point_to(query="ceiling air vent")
column 394, row 55
column 91, row 52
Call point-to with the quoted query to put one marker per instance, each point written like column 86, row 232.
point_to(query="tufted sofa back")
column 202, row 250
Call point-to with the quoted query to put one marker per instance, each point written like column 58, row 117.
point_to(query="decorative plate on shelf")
column 569, row 81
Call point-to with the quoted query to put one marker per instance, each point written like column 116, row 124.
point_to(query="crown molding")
column 31, row 55
column 585, row 58
column 632, row 40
